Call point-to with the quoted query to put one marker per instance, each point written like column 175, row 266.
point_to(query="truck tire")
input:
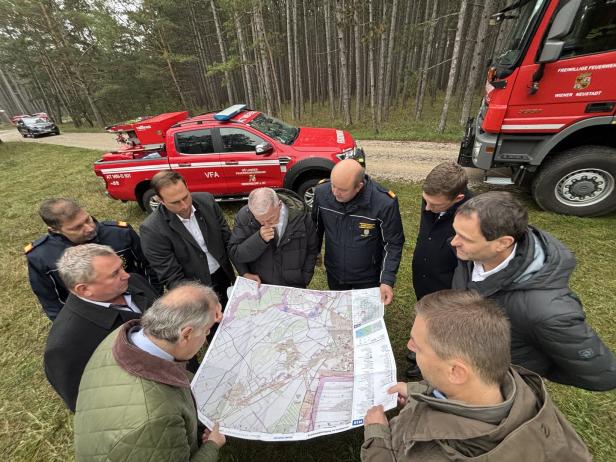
column 306, row 190
column 580, row 181
column 149, row 201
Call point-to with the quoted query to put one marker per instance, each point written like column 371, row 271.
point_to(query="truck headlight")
column 476, row 149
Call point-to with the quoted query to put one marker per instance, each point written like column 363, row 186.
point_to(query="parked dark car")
column 36, row 126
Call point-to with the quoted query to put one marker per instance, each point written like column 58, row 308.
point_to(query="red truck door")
column 198, row 162
column 244, row 169
column 579, row 85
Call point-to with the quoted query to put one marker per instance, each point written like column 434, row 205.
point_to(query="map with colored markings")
column 292, row 364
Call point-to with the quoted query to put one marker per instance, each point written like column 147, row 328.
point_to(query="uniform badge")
column 365, row 229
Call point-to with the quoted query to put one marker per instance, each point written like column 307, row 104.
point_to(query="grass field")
column 34, row 426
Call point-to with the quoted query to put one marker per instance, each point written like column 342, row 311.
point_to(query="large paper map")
column 292, row 364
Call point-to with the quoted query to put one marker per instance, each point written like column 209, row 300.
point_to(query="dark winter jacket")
column 363, row 237
column 44, row 253
column 525, row 427
column 172, row 251
column 77, row 331
column 549, row 334
column 287, row 263
column 434, row 261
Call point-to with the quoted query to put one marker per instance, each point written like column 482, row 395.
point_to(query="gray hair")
column 75, row 264
column 261, row 200
column 56, row 211
column 187, row 304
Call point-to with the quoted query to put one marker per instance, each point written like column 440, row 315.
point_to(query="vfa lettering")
column 211, row 174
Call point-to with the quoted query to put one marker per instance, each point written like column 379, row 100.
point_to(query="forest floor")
column 390, row 160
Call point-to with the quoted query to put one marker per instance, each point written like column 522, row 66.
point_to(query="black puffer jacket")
column 288, row 263
column 549, row 334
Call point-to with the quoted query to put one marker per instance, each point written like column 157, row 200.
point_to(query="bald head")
column 347, row 179
column 189, row 304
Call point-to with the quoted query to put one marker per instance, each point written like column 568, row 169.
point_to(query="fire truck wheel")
column 580, row 181
column 149, row 200
column 306, row 190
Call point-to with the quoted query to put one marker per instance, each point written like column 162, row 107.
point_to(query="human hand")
column 253, row 277
column 375, row 415
column 267, row 233
column 402, row 391
column 387, row 294
column 215, row 436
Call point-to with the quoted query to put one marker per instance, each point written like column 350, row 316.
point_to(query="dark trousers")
column 335, row 284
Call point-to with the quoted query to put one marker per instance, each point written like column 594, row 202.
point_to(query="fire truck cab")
column 549, row 110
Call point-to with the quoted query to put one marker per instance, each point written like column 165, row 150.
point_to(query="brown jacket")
column 526, row 427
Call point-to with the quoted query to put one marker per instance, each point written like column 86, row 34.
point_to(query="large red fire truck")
column 227, row 154
column 549, row 111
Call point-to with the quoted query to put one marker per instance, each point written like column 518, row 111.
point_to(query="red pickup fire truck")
column 227, row 154
column 549, row 111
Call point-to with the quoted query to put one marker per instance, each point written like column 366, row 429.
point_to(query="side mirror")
column 263, row 148
column 561, row 26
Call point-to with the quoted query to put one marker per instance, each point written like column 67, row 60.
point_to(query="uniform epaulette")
column 389, row 192
column 119, row 224
column 324, row 180
column 32, row 245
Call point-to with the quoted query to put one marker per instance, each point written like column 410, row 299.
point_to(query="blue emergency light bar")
column 230, row 112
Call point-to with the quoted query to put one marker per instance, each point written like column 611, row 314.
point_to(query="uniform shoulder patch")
column 119, row 224
column 324, row 180
column 391, row 194
column 32, row 245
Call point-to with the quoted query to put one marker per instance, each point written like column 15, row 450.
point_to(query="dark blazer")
column 287, row 263
column 174, row 254
column 79, row 329
column 434, row 261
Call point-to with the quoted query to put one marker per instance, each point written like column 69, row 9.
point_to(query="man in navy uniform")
column 68, row 225
column 363, row 230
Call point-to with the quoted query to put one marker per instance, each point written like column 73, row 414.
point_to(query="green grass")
column 34, row 426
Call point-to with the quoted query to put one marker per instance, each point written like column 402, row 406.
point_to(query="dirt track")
column 392, row 160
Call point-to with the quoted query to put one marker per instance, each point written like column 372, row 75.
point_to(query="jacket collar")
column 144, row 365
column 436, row 419
column 176, row 225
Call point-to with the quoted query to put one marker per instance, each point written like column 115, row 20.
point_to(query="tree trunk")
column 373, row 115
column 381, row 72
column 223, row 53
column 244, row 57
column 309, row 63
column 476, row 65
column 329, row 51
column 426, row 63
column 454, row 66
column 358, row 67
column 344, row 69
column 291, row 60
column 390, row 55
column 299, row 91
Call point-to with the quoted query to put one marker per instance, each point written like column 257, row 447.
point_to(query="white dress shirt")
column 193, row 228
column 129, row 302
column 479, row 274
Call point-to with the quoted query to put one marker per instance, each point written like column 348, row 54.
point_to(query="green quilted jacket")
column 133, row 406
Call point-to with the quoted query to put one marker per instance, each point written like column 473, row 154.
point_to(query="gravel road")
column 392, row 160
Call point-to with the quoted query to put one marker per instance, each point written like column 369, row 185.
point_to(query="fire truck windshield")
column 275, row 128
column 516, row 23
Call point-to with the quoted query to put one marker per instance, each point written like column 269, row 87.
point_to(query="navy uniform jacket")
column 434, row 260
column 363, row 237
column 44, row 253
